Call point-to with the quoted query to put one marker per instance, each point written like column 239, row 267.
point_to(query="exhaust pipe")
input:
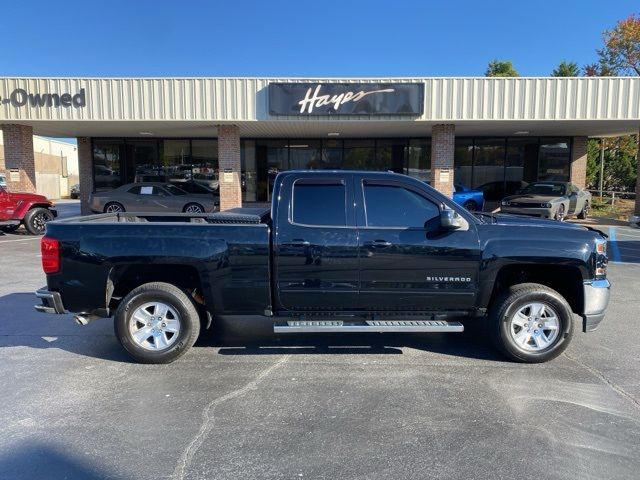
column 84, row 319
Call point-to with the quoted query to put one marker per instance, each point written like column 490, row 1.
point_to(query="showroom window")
column 553, row 159
column 107, row 164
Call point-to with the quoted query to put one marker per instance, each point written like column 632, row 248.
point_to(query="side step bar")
column 376, row 326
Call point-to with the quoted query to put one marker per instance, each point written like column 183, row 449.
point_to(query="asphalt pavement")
column 369, row 407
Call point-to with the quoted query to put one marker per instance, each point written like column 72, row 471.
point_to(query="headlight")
column 601, row 258
column 504, row 203
column 545, row 205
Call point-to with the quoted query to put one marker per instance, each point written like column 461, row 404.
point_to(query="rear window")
column 319, row 204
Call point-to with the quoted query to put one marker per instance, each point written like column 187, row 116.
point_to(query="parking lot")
column 420, row 406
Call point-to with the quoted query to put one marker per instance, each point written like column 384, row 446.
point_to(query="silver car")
column 151, row 197
column 555, row 200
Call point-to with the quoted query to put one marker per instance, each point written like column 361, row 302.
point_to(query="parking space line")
column 615, row 251
column 20, row 240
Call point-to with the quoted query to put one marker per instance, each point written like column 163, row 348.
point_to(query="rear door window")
column 319, row 204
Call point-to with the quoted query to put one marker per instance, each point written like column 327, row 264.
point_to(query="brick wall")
column 85, row 172
column 229, row 163
column 579, row 161
column 18, row 154
column 443, row 138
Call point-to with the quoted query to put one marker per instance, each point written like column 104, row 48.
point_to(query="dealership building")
column 236, row 134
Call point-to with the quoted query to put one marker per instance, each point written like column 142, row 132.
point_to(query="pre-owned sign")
column 346, row 98
column 20, row 98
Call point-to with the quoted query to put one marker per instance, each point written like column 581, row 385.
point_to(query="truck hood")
column 532, row 198
column 525, row 221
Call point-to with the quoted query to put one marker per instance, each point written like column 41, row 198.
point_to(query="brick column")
column 18, row 154
column 85, row 172
column 578, row 173
column 229, row 166
column 443, row 138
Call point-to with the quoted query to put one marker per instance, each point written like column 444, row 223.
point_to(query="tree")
column 620, row 163
column 621, row 51
column 566, row 69
column 500, row 68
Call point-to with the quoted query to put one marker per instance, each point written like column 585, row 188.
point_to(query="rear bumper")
column 596, row 300
column 51, row 302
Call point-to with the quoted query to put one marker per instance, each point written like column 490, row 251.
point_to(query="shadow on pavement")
column 20, row 325
column 29, row 460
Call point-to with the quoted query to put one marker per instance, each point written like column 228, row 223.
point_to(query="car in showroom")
column 74, row 191
column 554, row 200
column 3, row 180
column 28, row 209
column 151, row 197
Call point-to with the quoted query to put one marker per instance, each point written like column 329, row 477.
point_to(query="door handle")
column 378, row 244
column 297, row 242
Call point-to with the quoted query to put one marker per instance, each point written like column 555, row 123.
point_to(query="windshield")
column 550, row 189
column 173, row 190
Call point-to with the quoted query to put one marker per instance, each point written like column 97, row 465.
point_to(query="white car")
column 3, row 180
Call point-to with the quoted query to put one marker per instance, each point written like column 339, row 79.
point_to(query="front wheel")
column 36, row 219
column 157, row 323
column 559, row 213
column 585, row 211
column 114, row 207
column 531, row 323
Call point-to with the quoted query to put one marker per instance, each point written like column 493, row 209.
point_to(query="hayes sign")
column 20, row 98
column 346, row 98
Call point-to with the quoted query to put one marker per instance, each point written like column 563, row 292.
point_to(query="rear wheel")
column 36, row 219
column 193, row 208
column 531, row 323
column 114, row 207
column 585, row 211
column 157, row 323
column 470, row 205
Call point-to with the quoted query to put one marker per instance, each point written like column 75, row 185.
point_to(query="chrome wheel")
column 154, row 326
column 560, row 213
column 193, row 208
column 534, row 327
column 114, row 208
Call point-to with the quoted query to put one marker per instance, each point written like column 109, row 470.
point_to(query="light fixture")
column 333, row 134
column 521, row 132
column 145, row 133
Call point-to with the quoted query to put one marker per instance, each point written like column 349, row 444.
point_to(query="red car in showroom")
column 28, row 209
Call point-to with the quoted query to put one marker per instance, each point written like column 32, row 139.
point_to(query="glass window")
column 204, row 162
column 390, row 155
column 305, row 155
column 521, row 164
column 249, row 167
column 419, row 159
column 488, row 165
column 553, row 159
column 332, row 154
column 391, row 206
column 108, row 156
column 463, row 161
column 142, row 161
column 319, row 204
column 359, row 155
column 175, row 160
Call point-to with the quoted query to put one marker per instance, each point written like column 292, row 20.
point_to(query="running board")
column 376, row 326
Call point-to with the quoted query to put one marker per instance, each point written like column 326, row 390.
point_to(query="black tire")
column 114, row 207
column 510, row 302
column 585, row 211
column 9, row 228
column 193, row 208
column 560, row 213
column 170, row 295
column 36, row 219
column 470, row 205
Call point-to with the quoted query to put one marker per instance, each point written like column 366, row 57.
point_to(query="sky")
column 140, row 38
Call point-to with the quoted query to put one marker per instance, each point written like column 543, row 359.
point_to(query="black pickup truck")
column 341, row 252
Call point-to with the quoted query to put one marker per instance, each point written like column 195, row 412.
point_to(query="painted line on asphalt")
column 615, row 251
column 20, row 240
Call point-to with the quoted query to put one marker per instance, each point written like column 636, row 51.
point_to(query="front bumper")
column 596, row 300
column 51, row 302
column 534, row 212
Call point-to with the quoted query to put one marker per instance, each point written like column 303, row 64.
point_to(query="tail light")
column 50, row 249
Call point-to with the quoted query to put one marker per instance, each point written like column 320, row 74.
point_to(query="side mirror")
column 450, row 220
